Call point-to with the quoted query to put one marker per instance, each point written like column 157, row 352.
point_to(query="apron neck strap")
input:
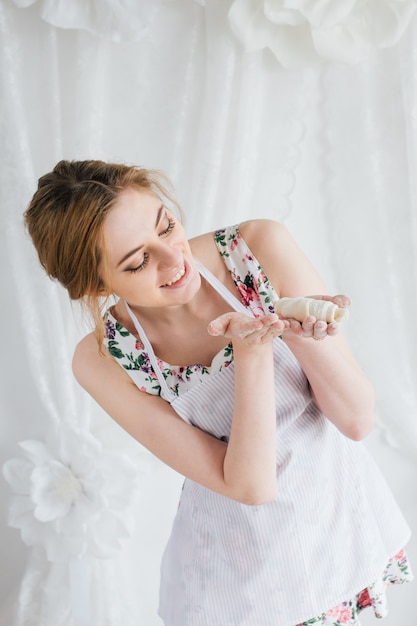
column 221, row 289
column 166, row 392
column 235, row 304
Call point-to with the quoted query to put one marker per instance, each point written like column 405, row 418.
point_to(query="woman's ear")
column 99, row 290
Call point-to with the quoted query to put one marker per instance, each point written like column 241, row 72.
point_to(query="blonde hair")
column 65, row 221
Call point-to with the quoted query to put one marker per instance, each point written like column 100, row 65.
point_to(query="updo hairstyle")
column 65, row 221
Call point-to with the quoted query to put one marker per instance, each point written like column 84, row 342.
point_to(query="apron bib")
column 328, row 534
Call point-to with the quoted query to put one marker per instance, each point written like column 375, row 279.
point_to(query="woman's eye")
column 168, row 229
column 171, row 225
column 133, row 270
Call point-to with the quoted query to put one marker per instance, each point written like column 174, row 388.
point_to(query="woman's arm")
column 245, row 468
column 339, row 386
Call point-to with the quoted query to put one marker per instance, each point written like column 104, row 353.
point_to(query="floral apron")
column 329, row 533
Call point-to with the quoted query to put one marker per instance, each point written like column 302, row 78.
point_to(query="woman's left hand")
column 316, row 329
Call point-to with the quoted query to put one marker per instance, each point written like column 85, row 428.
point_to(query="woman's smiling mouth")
column 176, row 278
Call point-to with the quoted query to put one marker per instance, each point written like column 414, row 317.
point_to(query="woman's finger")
column 320, row 330
column 340, row 299
column 232, row 324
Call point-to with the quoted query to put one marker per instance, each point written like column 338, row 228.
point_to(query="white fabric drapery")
column 329, row 148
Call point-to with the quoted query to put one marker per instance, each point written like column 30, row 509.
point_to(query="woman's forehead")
column 133, row 216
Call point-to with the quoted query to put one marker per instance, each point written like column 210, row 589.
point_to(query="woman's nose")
column 169, row 257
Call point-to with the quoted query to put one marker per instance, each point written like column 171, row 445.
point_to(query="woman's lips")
column 175, row 279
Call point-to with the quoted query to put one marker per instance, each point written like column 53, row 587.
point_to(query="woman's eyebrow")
column 129, row 254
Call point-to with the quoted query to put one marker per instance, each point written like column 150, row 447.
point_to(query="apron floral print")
column 346, row 614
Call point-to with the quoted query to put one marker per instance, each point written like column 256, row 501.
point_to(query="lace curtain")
column 318, row 131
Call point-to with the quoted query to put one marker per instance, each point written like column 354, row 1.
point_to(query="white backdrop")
column 317, row 129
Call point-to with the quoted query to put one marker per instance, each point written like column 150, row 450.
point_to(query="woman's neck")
column 179, row 334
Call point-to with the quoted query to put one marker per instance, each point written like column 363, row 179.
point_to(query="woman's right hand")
column 250, row 460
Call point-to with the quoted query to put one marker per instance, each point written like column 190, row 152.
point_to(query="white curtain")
column 321, row 135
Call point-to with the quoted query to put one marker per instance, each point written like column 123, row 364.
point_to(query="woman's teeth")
column 177, row 276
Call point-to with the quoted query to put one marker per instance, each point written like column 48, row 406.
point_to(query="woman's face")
column 149, row 259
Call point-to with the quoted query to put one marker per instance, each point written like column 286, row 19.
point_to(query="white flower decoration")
column 118, row 20
column 302, row 32
column 72, row 496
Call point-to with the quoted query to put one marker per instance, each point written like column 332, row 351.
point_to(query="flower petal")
column 17, row 473
column 53, row 491
column 35, row 533
column 281, row 12
column 36, row 451
column 19, row 509
column 73, row 497
column 302, row 32
column 327, row 13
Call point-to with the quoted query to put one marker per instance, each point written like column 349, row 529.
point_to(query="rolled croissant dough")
column 300, row 308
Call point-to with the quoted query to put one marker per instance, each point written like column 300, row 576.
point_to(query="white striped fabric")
column 328, row 534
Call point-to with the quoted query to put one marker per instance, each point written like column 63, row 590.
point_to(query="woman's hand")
column 317, row 329
column 249, row 330
column 250, row 460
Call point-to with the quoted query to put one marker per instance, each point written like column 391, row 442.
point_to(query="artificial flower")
column 302, row 32
column 118, row 20
column 71, row 495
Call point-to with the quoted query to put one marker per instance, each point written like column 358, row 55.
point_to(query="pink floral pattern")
column 254, row 288
column 346, row 613
column 257, row 294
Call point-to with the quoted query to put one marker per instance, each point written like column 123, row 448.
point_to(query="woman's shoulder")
column 255, row 232
column 86, row 354
column 275, row 250
column 96, row 371
column 268, row 229
column 86, row 346
column 88, row 358
column 263, row 240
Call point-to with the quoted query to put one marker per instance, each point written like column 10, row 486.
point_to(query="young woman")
column 284, row 519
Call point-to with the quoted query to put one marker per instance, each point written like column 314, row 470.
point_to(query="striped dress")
column 330, row 542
